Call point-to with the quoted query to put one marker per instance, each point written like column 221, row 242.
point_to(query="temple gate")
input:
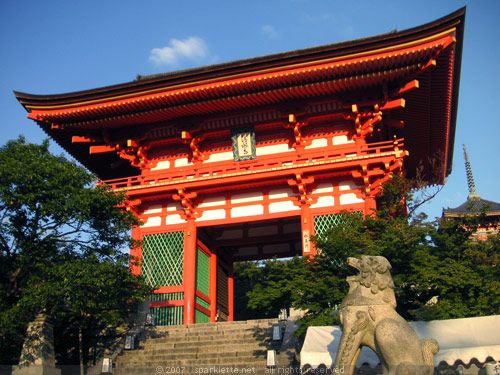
column 247, row 160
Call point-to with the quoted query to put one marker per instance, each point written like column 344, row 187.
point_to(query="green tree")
column 439, row 272
column 61, row 238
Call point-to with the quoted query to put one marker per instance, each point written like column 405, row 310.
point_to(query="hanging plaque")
column 244, row 144
column 306, row 241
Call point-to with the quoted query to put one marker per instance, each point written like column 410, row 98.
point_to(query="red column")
column 307, row 227
column 230, row 292
column 370, row 205
column 213, row 287
column 189, row 276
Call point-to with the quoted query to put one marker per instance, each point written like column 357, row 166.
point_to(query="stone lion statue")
column 368, row 318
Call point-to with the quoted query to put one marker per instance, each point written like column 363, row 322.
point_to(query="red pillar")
column 230, row 292
column 307, row 227
column 189, row 274
column 370, row 205
column 213, row 287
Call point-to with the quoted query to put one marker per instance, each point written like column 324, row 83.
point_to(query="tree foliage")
column 60, row 245
column 439, row 272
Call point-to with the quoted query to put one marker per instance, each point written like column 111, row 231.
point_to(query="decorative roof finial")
column 470, row 178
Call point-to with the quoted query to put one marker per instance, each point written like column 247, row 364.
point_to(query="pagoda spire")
column 470, row 178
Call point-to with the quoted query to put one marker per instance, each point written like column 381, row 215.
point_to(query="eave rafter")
column 260, row 88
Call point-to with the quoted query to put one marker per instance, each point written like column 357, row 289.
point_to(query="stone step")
column 205, row 331
column 228, row 346
column 168, row 356
column 201, row 348
column 211, row 336
column 212, row 341
column 201, row 327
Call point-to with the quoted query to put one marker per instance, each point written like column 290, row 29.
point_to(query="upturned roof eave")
column 264, row 62
column 474, row 206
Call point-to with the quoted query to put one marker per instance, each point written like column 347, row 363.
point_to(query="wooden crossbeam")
column 82, row 139
column 101, row 149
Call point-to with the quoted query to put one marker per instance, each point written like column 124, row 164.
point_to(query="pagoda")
column 247, row 160
column 487, row 212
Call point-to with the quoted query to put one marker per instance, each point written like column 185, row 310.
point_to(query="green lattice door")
column 162, row 265
column 162, row 258
column 322, row 223
column 202, row 284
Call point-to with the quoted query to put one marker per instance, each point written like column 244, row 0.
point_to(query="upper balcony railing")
column 287, row 160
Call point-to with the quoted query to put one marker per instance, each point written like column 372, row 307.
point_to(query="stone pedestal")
column 37, row 356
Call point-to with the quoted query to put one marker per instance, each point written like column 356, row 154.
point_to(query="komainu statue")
column 368, row 318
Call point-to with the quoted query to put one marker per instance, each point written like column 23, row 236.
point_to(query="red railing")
column 225, row 168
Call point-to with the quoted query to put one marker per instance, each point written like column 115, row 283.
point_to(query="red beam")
column 81, row 139
column 173, row 303
column 203, row 296
column 202, row 309
column 409, row 86
column 101, row 149
column 170, row 289
column 394, row 104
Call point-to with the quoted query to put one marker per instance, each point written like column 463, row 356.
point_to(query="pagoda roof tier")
column 474, row 206
column 362, row 72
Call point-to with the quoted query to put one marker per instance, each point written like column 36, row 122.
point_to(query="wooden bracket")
column 194, row 144
column 131, row 205
column 302, row 184
column 132, row 150
column 293, row 123
column 187, row 202
column 374, row 176
column 137, row 155
column 365, row 121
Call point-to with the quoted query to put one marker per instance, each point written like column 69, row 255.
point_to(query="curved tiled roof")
column 473, row 206
column 430, row 54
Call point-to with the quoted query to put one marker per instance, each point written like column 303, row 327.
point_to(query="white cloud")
column 269, row 31
column 192, row 48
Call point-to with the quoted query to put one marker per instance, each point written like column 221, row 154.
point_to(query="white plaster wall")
column 212, row 201
column 326, row 201
column 164, row 164
column 182, row 162
column 174, row 206
column 348, row 185
column 282, row 207
column 316, row 143
column 154, row 209
column 154, row 221
column 273, row 149
column 221, row 156
column 174, row 219
column 212, row 215
column 340, row 140
column 280, row 193
column 350, row 198
column 247, row 197
column 324, row 188
column 244, row 211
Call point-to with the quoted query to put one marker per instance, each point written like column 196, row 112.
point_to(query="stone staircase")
column 207, row 348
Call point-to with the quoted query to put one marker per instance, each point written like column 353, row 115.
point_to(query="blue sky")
column 51, row 47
